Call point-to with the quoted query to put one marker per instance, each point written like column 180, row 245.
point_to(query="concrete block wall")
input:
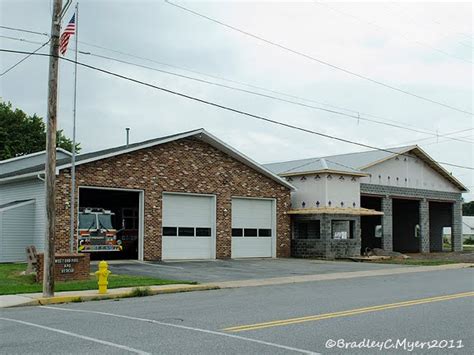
column 327, row 247
column 424, row 226
column 387, row 220
column 456, row 229
column 389, row 192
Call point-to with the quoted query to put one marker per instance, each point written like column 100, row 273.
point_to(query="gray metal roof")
column 344, row 163
column 310, row 165
column 356, row 163
column 105, row 153
column 80, row 157
column 28, row 161
column 360, row 160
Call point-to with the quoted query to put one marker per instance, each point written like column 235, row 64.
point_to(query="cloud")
column 107, row 105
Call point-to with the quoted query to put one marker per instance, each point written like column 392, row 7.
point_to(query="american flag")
column 68, row 32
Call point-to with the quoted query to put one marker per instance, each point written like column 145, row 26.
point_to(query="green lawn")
column 12, row 282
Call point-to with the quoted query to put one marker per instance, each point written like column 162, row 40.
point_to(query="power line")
column 444, row 135
column 256, row 87
column 358, row 117
column 398, row 124
column 307, row 56
column 434, row 21
column 23, row 59
column 405, row 37
column 24, row 30
column 223, row 107
column 444, row 141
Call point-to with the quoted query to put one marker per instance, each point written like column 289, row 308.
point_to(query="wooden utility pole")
column 50, row 164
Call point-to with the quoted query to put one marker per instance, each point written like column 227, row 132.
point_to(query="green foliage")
column 21, row 134
column 468, row 209
column 140, row 292
column 13, row 282
column 469, row 241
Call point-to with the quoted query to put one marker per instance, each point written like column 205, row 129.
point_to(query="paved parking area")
column 232, row 270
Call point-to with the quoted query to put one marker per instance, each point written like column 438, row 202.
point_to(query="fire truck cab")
column 96, row 231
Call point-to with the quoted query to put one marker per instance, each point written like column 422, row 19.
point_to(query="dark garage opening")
column 371, row 226
column 440, row 217
column 406, row 227
column 120, row 221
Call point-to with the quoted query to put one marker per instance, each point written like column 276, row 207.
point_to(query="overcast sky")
column 424, row 48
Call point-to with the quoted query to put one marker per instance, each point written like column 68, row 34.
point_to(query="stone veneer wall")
column 189, row 166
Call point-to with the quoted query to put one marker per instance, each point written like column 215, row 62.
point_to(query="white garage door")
column 253, row 232
column 188, row 227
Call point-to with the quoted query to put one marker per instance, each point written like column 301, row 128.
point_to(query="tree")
column 21, row 134
column 468, row 209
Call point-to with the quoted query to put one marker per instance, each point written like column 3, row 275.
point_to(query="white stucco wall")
column 409, row 172
column 324, row 189
column 346, row 190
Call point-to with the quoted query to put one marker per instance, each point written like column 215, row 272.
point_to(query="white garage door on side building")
column 188, row 226
column 253, row 228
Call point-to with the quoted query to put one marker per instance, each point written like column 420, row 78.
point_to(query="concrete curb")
column 91, row 295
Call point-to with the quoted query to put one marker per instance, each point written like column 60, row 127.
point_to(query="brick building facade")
column 189, row 166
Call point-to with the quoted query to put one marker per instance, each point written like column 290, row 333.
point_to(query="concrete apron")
column 34, row 299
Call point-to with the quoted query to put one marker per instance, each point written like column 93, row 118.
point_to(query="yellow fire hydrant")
column 102, row 276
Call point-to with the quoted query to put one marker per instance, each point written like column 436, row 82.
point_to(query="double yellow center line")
column 351, row 312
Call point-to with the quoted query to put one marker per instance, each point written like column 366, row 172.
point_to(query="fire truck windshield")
column 105, row 221
column 87, row 221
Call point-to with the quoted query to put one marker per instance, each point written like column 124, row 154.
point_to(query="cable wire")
column 24, row 30
column 402, row 35
column 24, row 58
column 221, row 106
column 307, row 56
column 358, row 117
column 357, row 114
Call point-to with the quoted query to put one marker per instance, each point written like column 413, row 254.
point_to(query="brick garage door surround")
column 188, row 166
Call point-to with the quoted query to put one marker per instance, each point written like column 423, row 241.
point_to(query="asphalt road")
column 231, row 270
column 199, row 322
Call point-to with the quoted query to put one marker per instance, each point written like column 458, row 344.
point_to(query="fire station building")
column 192, row 196
column 185, row 196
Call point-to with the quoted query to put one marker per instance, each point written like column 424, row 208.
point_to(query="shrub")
column 140, row 292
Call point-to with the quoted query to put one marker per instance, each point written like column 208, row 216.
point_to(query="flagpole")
column 73, row 158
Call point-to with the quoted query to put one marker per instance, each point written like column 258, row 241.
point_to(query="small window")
column 264, row 232
column 169, row 231
column 250, row 232
column 186, row 232
column 340, row 229
column 203, row 232
column 237, row 232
